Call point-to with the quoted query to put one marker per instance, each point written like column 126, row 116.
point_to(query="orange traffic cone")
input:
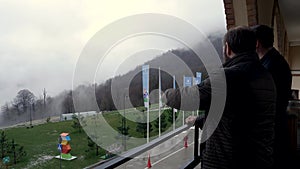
column 149, row 162
column 185, row 141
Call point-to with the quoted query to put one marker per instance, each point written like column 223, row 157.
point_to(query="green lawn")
column 40, row 142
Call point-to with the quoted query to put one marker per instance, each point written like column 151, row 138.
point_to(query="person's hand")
column 190, row 120
column 164, row 99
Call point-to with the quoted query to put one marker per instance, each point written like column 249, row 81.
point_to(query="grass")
column 40, row 142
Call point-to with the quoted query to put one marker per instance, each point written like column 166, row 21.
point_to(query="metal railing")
column 119, row 160
column 129, row 155
column 197, row 158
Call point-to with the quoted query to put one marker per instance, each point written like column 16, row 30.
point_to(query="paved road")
column 169, row 155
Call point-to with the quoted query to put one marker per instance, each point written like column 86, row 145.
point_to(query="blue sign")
column 174, row 82
column 198, row 74
column 197, row 79
column 145, row 77
column 187, row 81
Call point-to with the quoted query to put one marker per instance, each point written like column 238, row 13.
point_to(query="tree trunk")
column 97, row 150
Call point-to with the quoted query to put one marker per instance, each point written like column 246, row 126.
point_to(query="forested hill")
column 110, row 94
column 178, row 62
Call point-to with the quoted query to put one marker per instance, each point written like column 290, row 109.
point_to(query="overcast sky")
column 41, row 40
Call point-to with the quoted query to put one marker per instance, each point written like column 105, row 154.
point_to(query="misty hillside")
column 178, row 62
column 110, row 94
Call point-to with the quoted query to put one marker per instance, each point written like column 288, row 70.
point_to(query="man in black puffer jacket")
column 275, row 63
column 244, row 135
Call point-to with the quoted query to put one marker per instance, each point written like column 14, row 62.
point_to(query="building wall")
column 295, row 58
column 281, row 41
column 241, row 12
column 294, row 53
column 296, row 82
column 241, row 17
column 265, row 11
column 229, row 11
column 252, row 12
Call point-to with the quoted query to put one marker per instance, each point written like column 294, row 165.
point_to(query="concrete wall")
column 265, row 11
column 294, row 53
column 295, row 57
column 296, row 82
column 240, row 12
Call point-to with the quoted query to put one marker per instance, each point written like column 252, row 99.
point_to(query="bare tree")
column 45, row 96
column 68, row 105
column 5, row 108
column 15, row 107
column 24, row 99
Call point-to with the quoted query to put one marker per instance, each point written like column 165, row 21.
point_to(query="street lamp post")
column 30, row 116
column 124, row 124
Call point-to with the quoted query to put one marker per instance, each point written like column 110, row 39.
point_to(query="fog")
column 41, row 41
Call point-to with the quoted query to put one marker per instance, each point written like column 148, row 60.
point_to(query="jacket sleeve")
column 200, row 120
column 189, row 98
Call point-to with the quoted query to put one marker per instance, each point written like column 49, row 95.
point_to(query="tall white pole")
column 198, row 81
column 183, row 118
column 148, row 110
column 183, row 110
column 174, row 110
column 159, row 102
column 148, row 124
column 145, row 79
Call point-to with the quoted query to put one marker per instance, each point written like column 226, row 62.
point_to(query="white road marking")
column 169, row 155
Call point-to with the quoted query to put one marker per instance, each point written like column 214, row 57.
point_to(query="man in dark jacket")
column 275, row 63
column 244, row 135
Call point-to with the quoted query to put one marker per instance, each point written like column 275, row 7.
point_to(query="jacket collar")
column 242, row 57
column 270, row 53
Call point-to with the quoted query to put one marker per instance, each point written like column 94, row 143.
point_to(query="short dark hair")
column 240, row 39
column 264, row 34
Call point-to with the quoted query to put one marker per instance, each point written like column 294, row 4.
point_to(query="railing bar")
column 196, row 140
column 138, row 150
column 196, row 160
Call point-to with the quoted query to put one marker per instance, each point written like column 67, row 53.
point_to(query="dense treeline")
column 26, row 107
column 113, row 93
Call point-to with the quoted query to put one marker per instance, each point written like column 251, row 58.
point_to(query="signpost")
column 146, row 94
